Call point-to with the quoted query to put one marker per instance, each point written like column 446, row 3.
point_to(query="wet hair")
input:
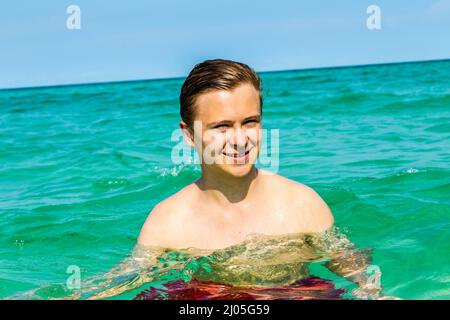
column 210, row 75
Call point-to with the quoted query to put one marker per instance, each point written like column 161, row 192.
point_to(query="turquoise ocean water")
column 82, row 166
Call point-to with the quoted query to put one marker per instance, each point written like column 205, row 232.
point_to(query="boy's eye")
column 222, row 126
column 226, row 126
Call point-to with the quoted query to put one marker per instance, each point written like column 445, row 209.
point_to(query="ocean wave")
column 441, row 128
column 425, row 103
column 124, row 190
column 112, row 183
column 351, row 98
column 372, row 162
column 412, row 175
column 303, row 77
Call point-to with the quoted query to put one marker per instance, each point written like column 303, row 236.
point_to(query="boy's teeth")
column 236, row 155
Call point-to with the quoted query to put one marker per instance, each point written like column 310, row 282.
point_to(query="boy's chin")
column 237, row 170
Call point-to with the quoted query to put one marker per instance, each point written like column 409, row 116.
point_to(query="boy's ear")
column 187, row 133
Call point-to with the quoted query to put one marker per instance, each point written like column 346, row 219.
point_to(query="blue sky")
column 127, row 40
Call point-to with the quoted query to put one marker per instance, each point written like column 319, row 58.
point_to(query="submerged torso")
column 260, row 260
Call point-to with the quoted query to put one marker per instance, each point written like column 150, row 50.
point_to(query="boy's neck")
column 228, row 189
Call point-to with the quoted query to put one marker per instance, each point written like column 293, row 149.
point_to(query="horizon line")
column 259, row 72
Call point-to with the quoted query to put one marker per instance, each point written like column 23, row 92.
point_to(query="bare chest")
column 223, row 227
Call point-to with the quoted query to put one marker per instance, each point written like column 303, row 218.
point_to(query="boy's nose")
column 238, row 138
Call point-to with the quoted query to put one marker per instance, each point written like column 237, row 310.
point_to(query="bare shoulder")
column 304, row 205
column 165, row 223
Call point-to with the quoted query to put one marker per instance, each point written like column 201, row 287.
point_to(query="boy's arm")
column 352, row 264
column 129, row 274
column 356, row 266
column 345, row 261
column 133, row 271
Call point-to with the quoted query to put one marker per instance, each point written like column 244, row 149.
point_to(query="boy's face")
column 230, row 134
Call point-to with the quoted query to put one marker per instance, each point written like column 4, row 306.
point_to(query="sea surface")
column 82, row 166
